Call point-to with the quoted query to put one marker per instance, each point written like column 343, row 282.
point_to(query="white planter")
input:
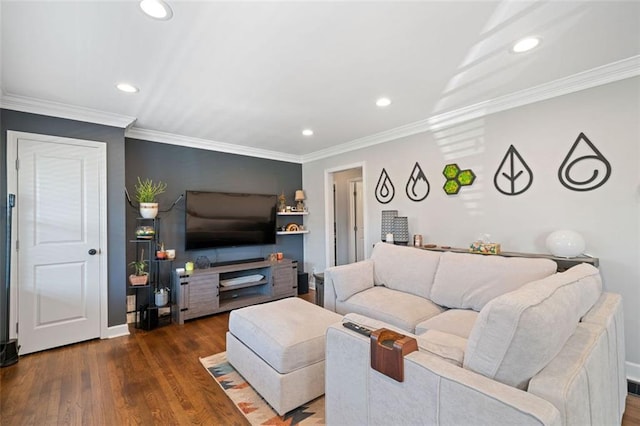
column 162, row 298
column 148, row 210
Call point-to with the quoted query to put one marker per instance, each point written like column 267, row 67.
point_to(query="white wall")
column 543, row 133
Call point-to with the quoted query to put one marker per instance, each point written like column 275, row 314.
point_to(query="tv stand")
column 232, row 285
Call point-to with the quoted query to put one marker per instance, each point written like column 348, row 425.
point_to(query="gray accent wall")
column 114, row 138
column 184, row 168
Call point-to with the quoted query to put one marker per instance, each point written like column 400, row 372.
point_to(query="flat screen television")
column 222, row 219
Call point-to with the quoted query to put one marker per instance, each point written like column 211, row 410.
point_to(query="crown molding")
column 172, row 139
column 615, row 71
column 60, row 110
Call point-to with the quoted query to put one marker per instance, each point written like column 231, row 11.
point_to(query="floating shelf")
column 292, row 232
column 292, row 213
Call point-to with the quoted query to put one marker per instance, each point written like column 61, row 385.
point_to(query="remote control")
column 357, row 328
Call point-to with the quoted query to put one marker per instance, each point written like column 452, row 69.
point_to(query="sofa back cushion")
column 404, row 268
column 470, row 281
column 517, row 334
column 351, row 278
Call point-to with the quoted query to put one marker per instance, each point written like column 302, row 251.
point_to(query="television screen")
column 221, row 219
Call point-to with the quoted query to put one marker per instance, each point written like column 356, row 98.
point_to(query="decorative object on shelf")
column 300, row 200
column 273, row 257
column 565, row 243
column 387, row 223
column 456, row 178
column 188, row 266
column 202, row 262
column 401, row 230
column 282, row 202
column 384, row 188
column 279, row 255
column 587, row 153
column 513, row 168
column 418, row 186
column 140, row 276
column 171, row 254
column 161, row 296
column 145, row 232
column 484, row 248
column 161, row 254
column 417, row 240
column 146, row 193
column 292, row 227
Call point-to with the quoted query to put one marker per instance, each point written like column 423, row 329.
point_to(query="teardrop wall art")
column 418, row 186
column 513, row 176
column 384, row 188
column 584, row 168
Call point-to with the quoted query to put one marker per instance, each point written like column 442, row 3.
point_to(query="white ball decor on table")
column 565, row 243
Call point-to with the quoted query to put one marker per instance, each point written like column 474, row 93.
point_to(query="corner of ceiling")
column 609, row 73
column 61, row 110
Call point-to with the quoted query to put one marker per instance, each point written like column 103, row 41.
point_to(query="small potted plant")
column 140, row 276
column 146, row 193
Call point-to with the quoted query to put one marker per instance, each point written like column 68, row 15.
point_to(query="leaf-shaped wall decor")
column 584, row 168
column 384, row 188
column 417, row 187
column 513, row 176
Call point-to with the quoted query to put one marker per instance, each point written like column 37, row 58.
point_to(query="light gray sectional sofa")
column 501, row 341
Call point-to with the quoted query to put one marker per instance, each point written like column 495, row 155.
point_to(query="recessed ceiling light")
column 525, row 44
column 383, row 102
column 307, row 132
column 128, row 88
column 157, row 9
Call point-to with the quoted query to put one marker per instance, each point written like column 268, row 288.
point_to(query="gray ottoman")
column 278, row 347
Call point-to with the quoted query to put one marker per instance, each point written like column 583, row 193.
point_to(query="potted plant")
column 140, row 276
column 146, row 193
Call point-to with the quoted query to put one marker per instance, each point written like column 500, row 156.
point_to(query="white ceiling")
column 254, row 74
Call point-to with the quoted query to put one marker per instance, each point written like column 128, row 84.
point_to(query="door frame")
column 329, row 208
column 353, row 220
column 12, row 187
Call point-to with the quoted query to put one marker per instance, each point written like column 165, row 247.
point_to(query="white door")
column 58, row 258
column 356, row 220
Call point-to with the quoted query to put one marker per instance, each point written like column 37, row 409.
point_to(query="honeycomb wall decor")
column 456, row 178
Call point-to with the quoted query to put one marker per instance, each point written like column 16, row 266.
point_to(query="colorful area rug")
column 251, row 404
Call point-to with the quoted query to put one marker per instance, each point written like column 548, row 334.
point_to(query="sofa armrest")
column 433, row 392
column 341, row 282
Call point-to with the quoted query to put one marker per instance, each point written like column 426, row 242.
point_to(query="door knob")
column 93, row 251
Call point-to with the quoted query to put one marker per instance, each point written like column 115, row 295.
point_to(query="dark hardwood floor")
column 145, row 378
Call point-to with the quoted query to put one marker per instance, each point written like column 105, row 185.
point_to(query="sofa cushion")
column 352, row 278
column 400, row 309
column 469, row 281
column 458, row 322
column 517, row 334
column 445, row 346
column 405, row 268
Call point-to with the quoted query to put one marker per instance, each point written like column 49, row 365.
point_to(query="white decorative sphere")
column 565, row 243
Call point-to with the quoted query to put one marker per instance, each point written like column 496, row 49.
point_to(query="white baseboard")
column 633, row 372
column 117, row 331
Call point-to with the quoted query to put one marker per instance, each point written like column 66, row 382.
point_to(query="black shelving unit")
column 148, row 315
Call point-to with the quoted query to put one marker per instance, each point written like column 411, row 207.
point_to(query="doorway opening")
column 345, row 218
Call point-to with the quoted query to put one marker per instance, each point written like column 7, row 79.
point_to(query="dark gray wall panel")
column 114, row 137
column 185, row 169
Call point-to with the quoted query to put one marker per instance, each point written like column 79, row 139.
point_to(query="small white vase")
column 148, row 210
column 161, row 298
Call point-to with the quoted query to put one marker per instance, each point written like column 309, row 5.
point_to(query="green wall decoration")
column 456, row 178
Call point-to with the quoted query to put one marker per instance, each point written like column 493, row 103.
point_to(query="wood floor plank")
column 148, row 377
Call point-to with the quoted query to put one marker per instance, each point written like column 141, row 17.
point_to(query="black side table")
column 319, row 288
